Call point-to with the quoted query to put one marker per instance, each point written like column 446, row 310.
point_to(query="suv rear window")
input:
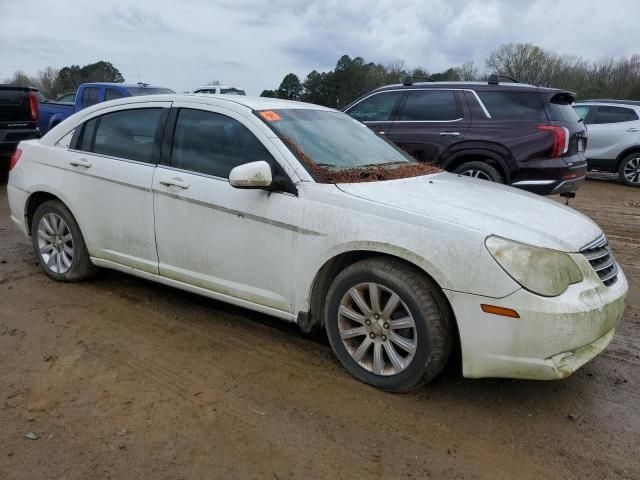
column 559, row 108
column 513, row 105
column 430, row 105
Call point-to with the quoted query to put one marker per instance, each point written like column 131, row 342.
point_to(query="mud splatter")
column 361, row 174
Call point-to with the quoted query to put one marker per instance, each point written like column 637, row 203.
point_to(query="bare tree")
column 47, row 82
column 20, row 79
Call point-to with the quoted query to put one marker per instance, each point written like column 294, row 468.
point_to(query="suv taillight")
column 14, row 158
column 560, row 139
column 34, row 107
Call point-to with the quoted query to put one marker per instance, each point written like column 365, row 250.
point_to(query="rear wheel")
column 629, row 171
column 388, row 324
column 58, row 243
column 480, row 170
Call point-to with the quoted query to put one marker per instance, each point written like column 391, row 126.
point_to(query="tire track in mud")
column 182, row 385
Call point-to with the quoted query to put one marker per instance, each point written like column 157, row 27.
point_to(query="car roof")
column 217, row 86
column 123, row 85
column 252, row 103
column 634, row 103
column 474, row 85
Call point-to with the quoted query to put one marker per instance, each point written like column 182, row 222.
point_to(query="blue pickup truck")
column 52, row 113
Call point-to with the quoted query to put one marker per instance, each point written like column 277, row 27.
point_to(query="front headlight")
column 539, row 270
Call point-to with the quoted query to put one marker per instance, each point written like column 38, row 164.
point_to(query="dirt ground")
column 124, row 379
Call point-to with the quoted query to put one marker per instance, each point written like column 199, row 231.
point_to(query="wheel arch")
column 313, row 319
column 478, row 154
column 625, row 153
column 37, row 198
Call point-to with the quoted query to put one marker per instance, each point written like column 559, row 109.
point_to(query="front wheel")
column 388, row 324
column 480, row 170
column 629, row 171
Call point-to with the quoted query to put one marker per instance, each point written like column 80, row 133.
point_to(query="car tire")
column 410, row 343
column 629, row 170
column 480, row 170
column 58, row 243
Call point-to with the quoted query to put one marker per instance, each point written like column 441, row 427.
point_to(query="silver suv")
column 614, row 137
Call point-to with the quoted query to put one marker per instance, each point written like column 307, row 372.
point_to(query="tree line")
column 52, row 82
column 352, row 77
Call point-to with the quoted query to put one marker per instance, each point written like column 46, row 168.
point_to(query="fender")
column 481, row 152
column 41, row 188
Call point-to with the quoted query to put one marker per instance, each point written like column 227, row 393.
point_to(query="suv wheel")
column 58, row 243
column 480, row 170
column 388, row 324
column 629, row 171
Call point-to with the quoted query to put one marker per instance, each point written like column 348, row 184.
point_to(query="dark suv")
column 508, row 132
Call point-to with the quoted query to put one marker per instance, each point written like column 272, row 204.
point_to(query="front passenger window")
column 213, row 144
column 376, row 108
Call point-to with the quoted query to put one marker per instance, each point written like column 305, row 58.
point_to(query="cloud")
column 253, row 43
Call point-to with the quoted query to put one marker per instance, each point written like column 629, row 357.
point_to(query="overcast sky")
column 253, row 43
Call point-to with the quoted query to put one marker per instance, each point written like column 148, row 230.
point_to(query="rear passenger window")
column 90, row 96
column 376, row 108
column 513, row 105
column 430, row 105
column 213, row 144
column 614, row 115
column 127, row 134
column 86, row 137
column 112, row 94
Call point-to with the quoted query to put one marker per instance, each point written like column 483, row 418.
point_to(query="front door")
column 428, row 123
column 239, row 244
column 377, row 110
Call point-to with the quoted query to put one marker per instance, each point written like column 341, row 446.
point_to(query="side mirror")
column 251, row 175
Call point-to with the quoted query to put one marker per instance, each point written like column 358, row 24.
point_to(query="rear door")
column 112, row 162
column 611, row 130
column 428, row 123
column 377, row 110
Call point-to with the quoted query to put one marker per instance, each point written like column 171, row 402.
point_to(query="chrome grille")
column 601, row 259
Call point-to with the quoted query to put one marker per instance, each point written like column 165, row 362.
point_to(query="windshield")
column 232, row 91
column 335, row 148
column 137, row 91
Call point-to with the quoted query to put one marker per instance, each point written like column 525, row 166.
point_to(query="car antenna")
column 494, row 79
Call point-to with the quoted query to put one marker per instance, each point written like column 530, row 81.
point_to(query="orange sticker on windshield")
column 270, row 116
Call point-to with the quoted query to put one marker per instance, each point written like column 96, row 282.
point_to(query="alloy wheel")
column 476, row 174
column 632, row 170
column 55, row 243
column 377, row 329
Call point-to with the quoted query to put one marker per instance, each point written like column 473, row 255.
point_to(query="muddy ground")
column 121, row 378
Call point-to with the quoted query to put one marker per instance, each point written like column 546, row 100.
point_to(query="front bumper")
column 553, row 336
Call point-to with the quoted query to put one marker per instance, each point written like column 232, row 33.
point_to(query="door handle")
column 80, row 162
column 633, row 129
column 175, row 182
column 382, row 132
column 449, row 134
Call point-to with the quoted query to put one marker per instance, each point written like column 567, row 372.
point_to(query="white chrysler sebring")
column 301, row 212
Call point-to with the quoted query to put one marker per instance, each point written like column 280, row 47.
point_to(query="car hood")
column 491, row 208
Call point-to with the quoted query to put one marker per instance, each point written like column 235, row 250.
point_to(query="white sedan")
column 301, row 212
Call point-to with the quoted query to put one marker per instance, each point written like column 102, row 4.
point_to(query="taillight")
column 560, row 139
column 15, row 158
column 34, row 107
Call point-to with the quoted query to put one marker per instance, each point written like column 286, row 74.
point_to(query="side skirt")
column 98, row 262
